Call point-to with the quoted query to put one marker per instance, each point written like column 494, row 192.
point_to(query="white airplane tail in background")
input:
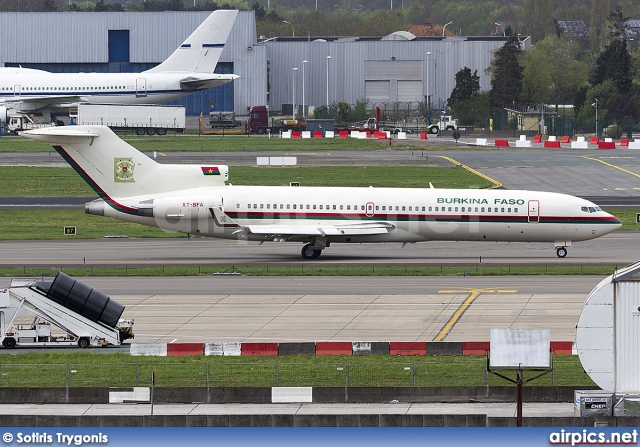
column 202, row 49
column 114, row 169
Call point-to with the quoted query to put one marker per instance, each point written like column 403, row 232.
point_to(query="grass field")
column 63, row 181
column 120, row 370
column 231, row 143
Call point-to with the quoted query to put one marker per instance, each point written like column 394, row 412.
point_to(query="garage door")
column 376, row 91
column 410, row 91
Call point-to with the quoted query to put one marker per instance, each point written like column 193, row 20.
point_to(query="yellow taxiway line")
column 611, row 165
column 496, row 184
column 475, row 293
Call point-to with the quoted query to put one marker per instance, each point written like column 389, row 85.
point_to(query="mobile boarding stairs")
column 85, row 316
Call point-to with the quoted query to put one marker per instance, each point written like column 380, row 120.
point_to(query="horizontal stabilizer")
column 202, row 82
column 58, row 135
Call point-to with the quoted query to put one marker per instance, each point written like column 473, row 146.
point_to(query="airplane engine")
column 175, row 209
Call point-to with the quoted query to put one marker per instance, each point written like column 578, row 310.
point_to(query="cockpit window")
column 584, row 209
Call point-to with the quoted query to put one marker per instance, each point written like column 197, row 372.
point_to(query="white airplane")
column 196, row 199
column 188, row 69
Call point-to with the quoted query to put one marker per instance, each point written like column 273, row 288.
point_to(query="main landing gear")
column 561, row 252
column 309, row 252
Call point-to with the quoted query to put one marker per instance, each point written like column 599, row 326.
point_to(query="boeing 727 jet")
column 197, row 199
column 187, row 70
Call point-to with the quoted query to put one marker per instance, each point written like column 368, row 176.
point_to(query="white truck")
column 78, row 314
column 143, row 119
column 17, row 122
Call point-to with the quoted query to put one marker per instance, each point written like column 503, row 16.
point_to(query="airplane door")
column 369, row 209
column 16, row 90
column 534, row 211
column 141, row 88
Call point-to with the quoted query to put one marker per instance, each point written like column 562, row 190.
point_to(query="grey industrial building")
column 399, row 68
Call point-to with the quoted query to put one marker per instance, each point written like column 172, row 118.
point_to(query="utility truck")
column 259, row 122
column 223, row 120
column 64, row 312
column 142, row 119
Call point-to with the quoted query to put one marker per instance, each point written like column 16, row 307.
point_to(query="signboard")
column 70, row 231
column 520, row 348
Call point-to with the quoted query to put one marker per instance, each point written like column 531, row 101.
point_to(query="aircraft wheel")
column 83, row 343
column 308, row 252
column 161, row 131
column 434, row 130
column 9, row 343
column 140, row 131
column 561, row 252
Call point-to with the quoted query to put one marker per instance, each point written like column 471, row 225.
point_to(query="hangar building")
column 392, row 69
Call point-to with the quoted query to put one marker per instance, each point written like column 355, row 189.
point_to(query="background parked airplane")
column 188, row 69
column 196, row 199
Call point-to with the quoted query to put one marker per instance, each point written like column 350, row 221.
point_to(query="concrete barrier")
column 305, row 134
column 523, row 142
column 259, row 349
column 407, row 348
column 562, row 347
column 343, row 134
column 185, row 349
column 334, row 348
column 444, row 348
column 475, row 347
column 403, row 136
column 286, row 134
column 606, row 144
column 635, row 144
column 155, row 349
column 222, row 349
column 329, row 134
column 580, row 143
column 501, row 143
column 306, row 348
column 551, row 144
column 481, row 141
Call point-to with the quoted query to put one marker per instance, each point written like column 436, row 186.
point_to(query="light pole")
column 428, row 102
column 293, row 100
column 445, row 25
column 595, row 104
column 293, row 32
column 304, row 110
column 328, row 59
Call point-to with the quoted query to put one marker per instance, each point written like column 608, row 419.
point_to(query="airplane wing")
column 38, row 102
column 359, row 229
column 296, row 231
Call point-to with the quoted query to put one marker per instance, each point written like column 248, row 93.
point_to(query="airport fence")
column 271, row 374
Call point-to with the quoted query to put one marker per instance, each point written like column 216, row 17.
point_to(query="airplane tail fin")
column 115, row 170
column 202, row 49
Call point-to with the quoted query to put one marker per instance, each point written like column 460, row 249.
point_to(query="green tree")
column 599, row 11
column 538, row 18
column 506, row 79
column 474, row 111
column 467, row 86
column 552, row 71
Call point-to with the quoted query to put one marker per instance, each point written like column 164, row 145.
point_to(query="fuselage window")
column 268, row 206
column 275, row 206
column 462, row 209
column 384, row 207
column 496, row 210
column 508, row 210
column 341, row 207
column 515, row 210
column 476, row 209
column 314, row 207
column 397, row 208
column 377, row 208
column 288, row 206
column 449, row 209
column 430, row 208
column 456, row 209
column 362, row 207
column 403, row 208
column 410, row 208
column 261, row 206
column 237, row 205
column 482, row 209
column 424, row 209
column 348, row 207
column 295, row 206
column 502, row 210
column 308, row 207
